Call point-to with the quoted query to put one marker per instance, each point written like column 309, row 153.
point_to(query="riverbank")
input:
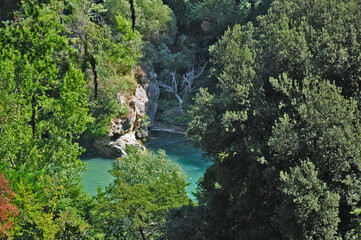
column 165, row 127
column 178, row 150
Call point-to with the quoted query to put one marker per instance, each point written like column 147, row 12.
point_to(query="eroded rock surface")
column 125, row 131
column 128, row 130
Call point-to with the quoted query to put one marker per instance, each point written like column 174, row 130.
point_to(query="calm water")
column 178, row 150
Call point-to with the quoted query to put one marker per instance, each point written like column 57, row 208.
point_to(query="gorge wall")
column 134, row 127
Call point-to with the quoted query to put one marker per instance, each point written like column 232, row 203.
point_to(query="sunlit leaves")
column 146, row 186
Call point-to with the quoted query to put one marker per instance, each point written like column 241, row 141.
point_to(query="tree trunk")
column 133, row 13
column 180, row 101
column 142, row 233
column 33, row 115
column 93, row 64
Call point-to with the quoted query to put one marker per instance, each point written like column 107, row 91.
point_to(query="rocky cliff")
column 129, row 130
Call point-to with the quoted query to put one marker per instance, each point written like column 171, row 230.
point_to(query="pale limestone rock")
column 123, row 132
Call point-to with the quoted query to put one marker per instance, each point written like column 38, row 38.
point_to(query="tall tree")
column 315, row 146
column 281, row 127
column 43, row 96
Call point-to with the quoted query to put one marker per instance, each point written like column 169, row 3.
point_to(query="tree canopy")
column 146, row 186
column 286, row 115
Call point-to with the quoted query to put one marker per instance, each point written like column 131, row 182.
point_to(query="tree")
column 233, row 58
column 107, row 51
column 187, row 85
column 153, row 18
column 281, row 127
column 87, row 32
column 302, row 41
column 320, row 151
column 145, row 188
column 43, row 96
column 7, row 210
column 48, row 209
column 43, row 110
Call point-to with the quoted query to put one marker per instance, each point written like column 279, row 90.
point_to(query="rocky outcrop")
column 115, row 147
column 126, row 131
column 150, row 83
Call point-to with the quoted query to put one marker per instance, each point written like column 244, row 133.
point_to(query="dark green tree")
column 285, row 152
column 313, row 37
column 315, row 145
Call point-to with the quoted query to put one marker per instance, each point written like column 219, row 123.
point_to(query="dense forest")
column 268, row 89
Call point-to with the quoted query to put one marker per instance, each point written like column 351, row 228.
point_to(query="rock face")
column 126, row 131
column 113, row 148
column 151, row 86
column 153, row 92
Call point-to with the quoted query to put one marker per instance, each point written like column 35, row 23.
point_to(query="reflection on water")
column 177, row 148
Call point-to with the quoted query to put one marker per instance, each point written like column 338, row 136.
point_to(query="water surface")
column 178, row 150
column 181, row 151
column 97, row 174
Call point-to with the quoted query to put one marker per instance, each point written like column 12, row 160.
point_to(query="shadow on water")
column 178, row 150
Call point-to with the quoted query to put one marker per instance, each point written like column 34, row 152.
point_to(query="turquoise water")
column 178, row 150
column 97, row 174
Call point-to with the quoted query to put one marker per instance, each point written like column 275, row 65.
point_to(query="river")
column 178, row 150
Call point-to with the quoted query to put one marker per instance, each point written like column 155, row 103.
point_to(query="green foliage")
column 233, row 58
column 124, row 52
column 48, row 94
column 281, row 127
column 43, row 110
column 48, row 210
column 146, row 186
column 184, row 223
column 307, row 37
column 7, row 210
column 168, row 112
column 311, row 208
column 218, row 15
column 106, row 52
column 325, row 140
column 153, row 18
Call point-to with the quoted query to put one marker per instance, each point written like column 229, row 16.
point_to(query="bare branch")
column 187, row 83
column 166, row 87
